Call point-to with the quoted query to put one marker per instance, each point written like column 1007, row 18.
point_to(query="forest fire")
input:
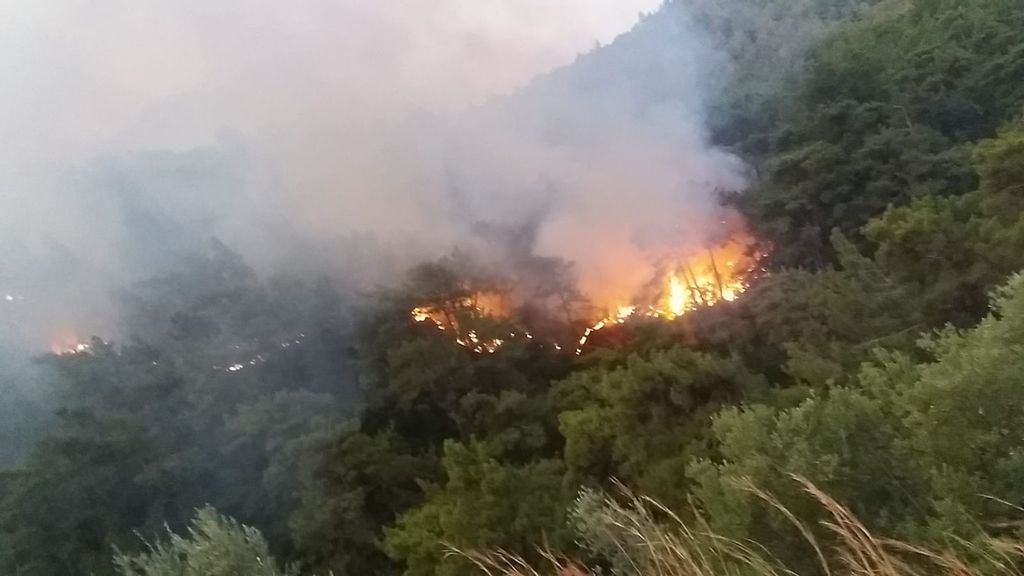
column 706, row 279
column 479, row 305
column 718, row 275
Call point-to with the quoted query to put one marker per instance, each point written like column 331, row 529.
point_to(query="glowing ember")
column 259, row 359
column 476, row 306
column 77, row 348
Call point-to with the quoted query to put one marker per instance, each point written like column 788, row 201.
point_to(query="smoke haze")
column 337, row 133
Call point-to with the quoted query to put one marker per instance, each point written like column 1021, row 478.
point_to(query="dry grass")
column 641, row 537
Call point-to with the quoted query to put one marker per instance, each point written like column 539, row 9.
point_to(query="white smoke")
column 136, row 130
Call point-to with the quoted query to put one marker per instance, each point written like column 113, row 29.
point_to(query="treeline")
column 222, row 395
column 889, row 160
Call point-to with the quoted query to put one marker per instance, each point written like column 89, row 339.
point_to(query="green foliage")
column 766, row 41
column 83, row 490
column 214, row 546
column 423, row 390
column 420, row 382
column 830, row 321
column 483, row 504
column 915, row 448
column 146, row 432
column 103, row 470
column 25, row 397
column 274, row 446
column 957, row 249
column 879, row 120
column 365, row 482
column 964, row 420
column 846, row 442
column 838, row 170
column 643, row 421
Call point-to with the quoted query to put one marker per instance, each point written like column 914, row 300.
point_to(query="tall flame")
column 677, row 296
column 718, row 275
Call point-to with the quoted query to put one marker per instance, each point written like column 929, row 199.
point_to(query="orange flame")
column 718, row 275
column 702, row 279
column 478, row 305
column 677, row 296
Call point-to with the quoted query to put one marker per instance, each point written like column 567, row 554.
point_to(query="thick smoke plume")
column 356, row 137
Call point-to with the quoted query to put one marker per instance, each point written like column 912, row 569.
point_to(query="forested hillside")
column 876, row 351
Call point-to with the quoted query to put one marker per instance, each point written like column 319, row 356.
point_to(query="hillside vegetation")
column 879, row 359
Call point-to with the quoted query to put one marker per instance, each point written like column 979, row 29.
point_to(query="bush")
column 215, row 546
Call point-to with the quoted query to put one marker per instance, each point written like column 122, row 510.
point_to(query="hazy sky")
column 80, row 77
column 84, row 79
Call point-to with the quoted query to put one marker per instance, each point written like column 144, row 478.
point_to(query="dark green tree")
column 955, row 250
column 483, row 504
